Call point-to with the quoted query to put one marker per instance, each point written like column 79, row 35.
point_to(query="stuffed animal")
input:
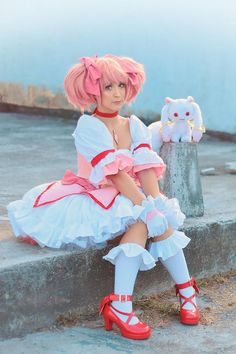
column 181, row 120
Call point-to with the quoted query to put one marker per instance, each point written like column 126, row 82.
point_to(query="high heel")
column 139, row 330
column 189, row 317
column 29, row 240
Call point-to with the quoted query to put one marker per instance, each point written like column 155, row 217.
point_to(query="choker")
column 105, row 115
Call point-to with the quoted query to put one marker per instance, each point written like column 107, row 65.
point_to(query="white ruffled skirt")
column 78, row 221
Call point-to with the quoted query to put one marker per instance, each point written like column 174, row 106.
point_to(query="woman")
column 115, row 193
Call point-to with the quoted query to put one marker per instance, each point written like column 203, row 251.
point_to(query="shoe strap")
column 113, row 297
column 187, row 299
column 129, row 314
column 191, row 282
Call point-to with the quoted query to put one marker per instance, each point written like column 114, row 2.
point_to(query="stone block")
column 182, row 177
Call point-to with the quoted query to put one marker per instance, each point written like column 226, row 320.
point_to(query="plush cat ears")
column 170, row 100
column 190, row 99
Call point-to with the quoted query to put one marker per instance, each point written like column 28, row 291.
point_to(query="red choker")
column 105, row 115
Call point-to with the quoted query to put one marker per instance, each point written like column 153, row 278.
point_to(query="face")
column 112, row 97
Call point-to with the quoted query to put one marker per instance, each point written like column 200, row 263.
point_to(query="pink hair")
column 108, row 69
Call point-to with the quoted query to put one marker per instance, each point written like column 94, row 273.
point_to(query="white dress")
column 78, row 219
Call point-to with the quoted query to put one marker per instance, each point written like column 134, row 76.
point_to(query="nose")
column 116, row 91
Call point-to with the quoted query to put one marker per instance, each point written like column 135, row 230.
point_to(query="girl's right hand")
column 156, row 221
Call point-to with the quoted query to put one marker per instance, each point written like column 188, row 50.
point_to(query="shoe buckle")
column 123, row 298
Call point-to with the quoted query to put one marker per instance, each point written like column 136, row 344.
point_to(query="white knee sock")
column 177, row 267
column 126, row 270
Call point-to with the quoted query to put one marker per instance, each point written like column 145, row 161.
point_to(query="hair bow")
column 92, row 76
column 127, row 67
column 132, row 74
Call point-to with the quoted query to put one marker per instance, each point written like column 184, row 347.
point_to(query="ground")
column 217, row 297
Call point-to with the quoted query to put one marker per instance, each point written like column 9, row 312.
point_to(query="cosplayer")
column 114, row 195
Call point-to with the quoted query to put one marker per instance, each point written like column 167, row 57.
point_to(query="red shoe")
column 139, row 330
column 189, row 317
column 29, row 240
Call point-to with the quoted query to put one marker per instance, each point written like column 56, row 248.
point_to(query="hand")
column 155, row 220
column 171, row 209
column 197, row 135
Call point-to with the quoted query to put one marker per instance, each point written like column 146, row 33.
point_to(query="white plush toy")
column 181, row 120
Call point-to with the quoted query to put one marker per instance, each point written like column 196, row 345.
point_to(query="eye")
column 122, row 84
column 108, row 87
column 187, row 113
column 176, row 114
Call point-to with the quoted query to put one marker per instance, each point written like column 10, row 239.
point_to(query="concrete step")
column 38, row 285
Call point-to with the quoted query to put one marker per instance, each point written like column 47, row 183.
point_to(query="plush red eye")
column 176, row 115
column 187, row 113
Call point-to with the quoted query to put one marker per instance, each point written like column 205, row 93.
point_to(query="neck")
column 105, row 114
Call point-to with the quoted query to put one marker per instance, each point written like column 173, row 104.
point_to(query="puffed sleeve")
column 94, row 141
column 144, row 156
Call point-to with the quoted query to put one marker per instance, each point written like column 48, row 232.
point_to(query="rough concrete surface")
column 173, row 339
column 182, row 177
column 215, row 333
column 49, row 282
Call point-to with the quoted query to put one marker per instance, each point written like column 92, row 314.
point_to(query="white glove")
column 171, row 209
column 155, row 220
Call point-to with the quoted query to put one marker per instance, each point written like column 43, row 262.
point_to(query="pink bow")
column 127, row 67
column 132, row 73
column 70, row 178
column 92, row 77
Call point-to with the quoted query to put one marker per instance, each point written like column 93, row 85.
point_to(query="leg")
column 129, row 257
column 178, row 270
column 137, row 233
column 170, row 253
column 129, row 267
column 126, row 268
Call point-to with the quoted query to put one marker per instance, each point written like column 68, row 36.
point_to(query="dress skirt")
column 79, row 221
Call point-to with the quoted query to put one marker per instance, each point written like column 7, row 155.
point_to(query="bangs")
column 111, row 72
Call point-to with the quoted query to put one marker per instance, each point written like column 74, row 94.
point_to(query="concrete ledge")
column 39, row 111
column 37, row 285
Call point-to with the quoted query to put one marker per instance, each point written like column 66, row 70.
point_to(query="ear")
column 168, row 100
column 197, row 118
column 190, row 99
column 165, row 113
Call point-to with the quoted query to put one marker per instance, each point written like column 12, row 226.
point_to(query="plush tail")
column 156, row 136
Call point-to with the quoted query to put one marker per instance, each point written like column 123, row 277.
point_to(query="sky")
column 187, row 47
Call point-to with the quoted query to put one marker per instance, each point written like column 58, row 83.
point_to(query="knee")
column 137, row 233
column 166, row 234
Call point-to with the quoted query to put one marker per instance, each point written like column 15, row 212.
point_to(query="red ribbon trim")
column 141, row 146
column 100, row 156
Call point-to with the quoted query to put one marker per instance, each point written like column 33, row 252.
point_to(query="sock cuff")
column 131, row 250
column 169, row 247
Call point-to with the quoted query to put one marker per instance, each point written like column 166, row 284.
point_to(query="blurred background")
column 187, row 48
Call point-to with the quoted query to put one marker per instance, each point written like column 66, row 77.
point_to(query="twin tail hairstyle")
column 86, row 80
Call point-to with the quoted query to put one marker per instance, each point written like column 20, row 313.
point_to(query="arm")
column 149, row 182
column 150, row 186
column 126, row 185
